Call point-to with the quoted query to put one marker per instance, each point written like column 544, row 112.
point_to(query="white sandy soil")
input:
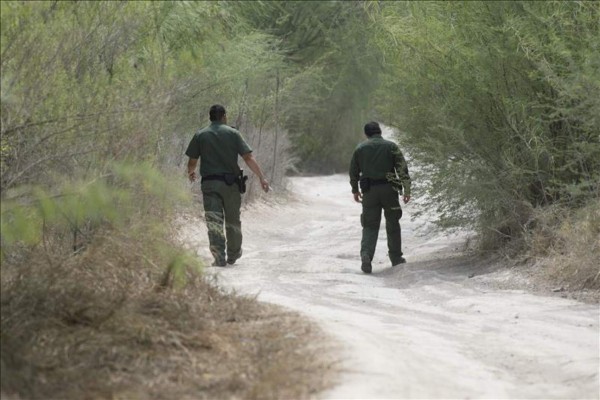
column 419, row 330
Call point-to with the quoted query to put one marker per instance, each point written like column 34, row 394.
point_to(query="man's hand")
column 251, row 162
column 265, row 185
column 357, row 197
column 406, row 199
column 191, row 169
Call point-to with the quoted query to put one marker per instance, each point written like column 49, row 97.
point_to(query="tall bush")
column 89, row 85
column 501, row 101
column 331, row 70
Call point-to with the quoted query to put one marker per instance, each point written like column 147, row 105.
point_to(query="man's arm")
column 402, row 171
column 253, row 165
column 191, row 169
column 354, row 177
column 193, row 152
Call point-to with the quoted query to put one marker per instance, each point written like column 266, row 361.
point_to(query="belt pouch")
column 230, row 179
column 365, row 185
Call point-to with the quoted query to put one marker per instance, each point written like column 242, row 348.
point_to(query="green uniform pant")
column 222, row 207
column 377, row 198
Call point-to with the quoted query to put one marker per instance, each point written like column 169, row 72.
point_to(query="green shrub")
column 501, row 102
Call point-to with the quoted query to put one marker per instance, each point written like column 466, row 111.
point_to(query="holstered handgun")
column 242, row 181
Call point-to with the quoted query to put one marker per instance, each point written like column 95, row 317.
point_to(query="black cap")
column 372, row 128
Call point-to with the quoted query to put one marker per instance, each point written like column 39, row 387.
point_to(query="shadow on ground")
column 454, row 269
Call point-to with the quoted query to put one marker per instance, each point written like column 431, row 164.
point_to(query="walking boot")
column 232, row 260
column 398, row 261
column 366, row 267
column 219, row 263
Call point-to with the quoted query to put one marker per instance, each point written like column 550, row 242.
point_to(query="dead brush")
column 566, row 245
column 273, row 152
column 100, row 325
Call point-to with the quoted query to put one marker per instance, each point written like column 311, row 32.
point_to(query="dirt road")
column 421, row 330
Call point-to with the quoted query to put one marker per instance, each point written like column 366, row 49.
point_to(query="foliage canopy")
column 499, row 102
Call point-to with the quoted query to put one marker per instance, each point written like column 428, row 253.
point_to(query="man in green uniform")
column 380, row 169
column 218, row 146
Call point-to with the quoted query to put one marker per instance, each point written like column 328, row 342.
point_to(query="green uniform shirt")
column 218, row 146
column 375, row 158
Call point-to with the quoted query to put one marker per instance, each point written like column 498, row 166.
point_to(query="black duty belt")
column 378, row 181
column 213, row 178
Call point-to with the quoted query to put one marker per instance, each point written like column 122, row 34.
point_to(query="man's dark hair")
column 216, row 112
column 372, row 128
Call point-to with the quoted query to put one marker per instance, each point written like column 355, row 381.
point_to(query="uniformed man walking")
column 379, row 168
column 218, row 146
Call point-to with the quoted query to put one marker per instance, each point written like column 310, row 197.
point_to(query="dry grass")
column 100, row 325
column 569, row 244
column 556, row 249
column 559, row 252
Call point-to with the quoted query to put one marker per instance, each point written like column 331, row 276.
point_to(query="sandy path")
column 422, row 330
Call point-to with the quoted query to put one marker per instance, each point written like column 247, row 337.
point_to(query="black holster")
column 365, row 185
column 241, row 181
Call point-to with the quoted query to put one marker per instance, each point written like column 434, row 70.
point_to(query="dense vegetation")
column 498, row 103
column 501, row 99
